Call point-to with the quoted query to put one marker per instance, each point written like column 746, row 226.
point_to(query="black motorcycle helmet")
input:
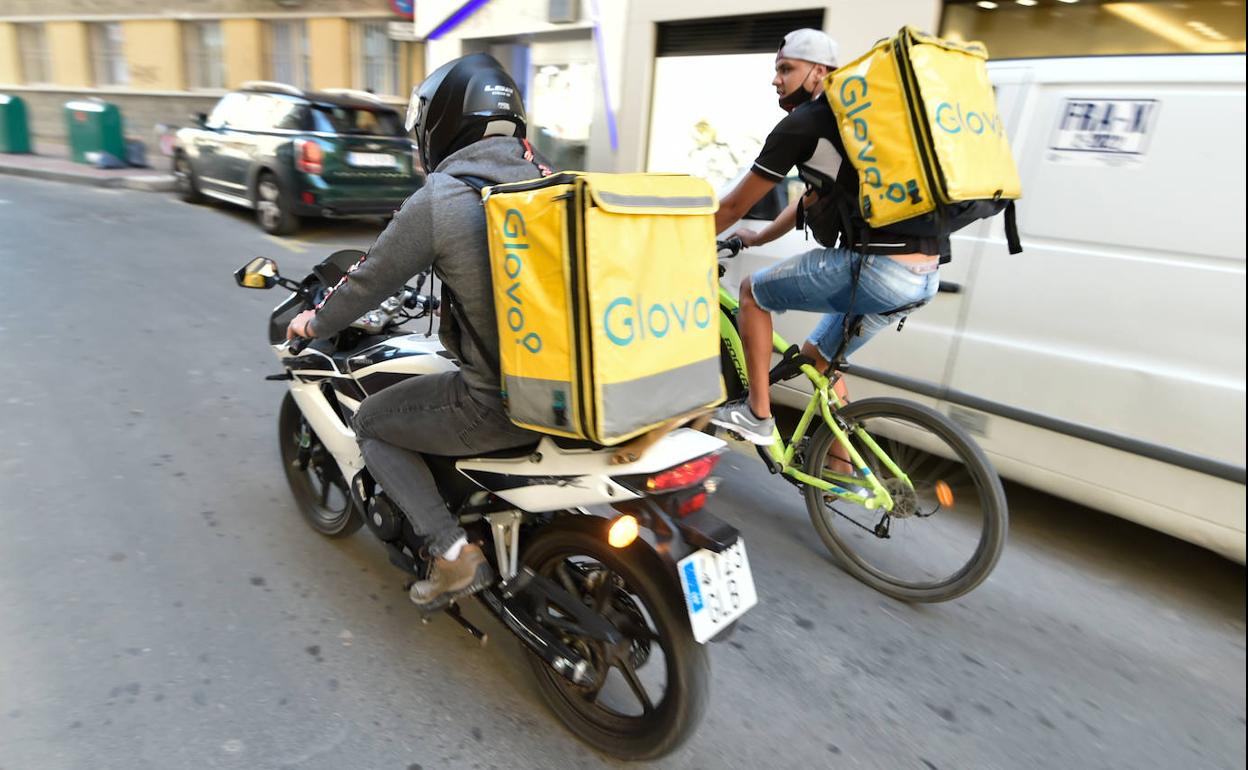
column 461, row 102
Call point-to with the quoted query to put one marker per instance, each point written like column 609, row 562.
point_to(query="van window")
column 1014, row 30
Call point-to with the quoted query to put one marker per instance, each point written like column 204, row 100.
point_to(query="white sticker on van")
column 1103, row 131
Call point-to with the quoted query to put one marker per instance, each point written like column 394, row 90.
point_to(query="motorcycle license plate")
column 718, row 588
column 370, row 160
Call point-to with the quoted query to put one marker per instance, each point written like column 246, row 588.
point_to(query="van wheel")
column 273, row 206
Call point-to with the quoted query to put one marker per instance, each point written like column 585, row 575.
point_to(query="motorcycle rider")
column 469, row 122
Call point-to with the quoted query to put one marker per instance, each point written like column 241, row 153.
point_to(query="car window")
column 266, row 112
column 227, row 110
column 355, row 120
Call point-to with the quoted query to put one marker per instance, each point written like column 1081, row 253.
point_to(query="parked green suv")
column 288, row 153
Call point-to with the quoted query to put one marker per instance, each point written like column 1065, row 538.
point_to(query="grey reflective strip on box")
column 655, row 201
column 532, row 401
column 635, row 404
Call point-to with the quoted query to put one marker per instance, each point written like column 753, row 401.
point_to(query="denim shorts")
column 821, row 281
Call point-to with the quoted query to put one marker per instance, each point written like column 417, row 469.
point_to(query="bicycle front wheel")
column 949, row 518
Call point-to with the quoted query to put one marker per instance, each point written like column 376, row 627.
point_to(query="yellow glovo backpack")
column 918, row 121
column 605, row 292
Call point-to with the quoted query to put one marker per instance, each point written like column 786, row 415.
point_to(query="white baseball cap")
column 810, row 45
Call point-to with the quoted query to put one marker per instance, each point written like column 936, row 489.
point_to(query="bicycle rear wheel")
column 947, row 527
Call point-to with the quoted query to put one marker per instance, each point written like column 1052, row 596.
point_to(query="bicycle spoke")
column 909, row 552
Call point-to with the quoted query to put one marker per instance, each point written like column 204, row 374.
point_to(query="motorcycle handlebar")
column 295, row 345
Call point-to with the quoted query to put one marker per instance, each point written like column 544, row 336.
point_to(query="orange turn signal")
column 623, row 532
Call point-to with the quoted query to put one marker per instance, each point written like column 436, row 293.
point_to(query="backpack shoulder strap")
column 475, row 182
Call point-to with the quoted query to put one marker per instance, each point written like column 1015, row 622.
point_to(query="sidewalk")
column 52, row 162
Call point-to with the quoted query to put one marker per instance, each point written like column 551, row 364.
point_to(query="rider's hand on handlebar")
column 299, row 325
column 748, row 237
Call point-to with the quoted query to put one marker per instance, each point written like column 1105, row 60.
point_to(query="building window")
column 205, row 54
column 108, row 53
column 379, row 59
column 1023, row 30
column 288, row 52
column 32, row 41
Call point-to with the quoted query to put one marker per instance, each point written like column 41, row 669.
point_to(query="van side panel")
column 1126, row 312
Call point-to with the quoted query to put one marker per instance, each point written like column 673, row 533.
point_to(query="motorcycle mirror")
column 259, row 273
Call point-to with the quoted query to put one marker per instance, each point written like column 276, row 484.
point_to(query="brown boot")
column 451, row 580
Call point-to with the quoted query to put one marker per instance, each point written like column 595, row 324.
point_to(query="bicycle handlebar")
column 733, row 246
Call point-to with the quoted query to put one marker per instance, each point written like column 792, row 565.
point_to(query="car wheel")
column 273, row 207
column 188, row 186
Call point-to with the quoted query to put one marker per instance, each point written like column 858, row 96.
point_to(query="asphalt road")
column 163, row 606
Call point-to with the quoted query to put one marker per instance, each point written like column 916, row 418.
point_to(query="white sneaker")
column 739, row 419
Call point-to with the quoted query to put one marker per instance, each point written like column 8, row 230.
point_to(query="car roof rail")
column 354, row 93
column 271, row 85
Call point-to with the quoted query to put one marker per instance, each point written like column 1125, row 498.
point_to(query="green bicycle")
column 900, row 494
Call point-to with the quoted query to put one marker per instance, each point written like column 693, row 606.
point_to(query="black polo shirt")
column 805, row 139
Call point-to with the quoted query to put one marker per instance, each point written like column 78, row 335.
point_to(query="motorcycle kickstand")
column 454, row 611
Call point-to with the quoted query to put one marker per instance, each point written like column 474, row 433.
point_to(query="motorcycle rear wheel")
column 637, row 595
column 319, row 488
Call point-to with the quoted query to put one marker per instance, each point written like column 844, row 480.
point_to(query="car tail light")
column 683, row 475
column 309, row 157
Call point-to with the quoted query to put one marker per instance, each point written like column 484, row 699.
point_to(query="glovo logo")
column 954, row 119
column 628, row 319
column 853, row 96
column 516, row 245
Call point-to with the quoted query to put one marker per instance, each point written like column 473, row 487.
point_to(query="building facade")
column 609, row 85
column 160, row 64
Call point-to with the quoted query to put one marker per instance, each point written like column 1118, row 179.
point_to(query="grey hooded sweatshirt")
column 442, row 226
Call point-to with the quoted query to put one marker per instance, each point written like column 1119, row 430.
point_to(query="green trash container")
column 94, row 127
column 14, row 127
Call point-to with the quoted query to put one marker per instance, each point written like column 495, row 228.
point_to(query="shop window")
column 561, row 100
column 713, row 104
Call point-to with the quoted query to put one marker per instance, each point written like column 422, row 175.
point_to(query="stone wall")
column 141, row 113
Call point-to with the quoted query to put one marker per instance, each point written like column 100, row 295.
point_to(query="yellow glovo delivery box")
column 605, row 292
column 919, row 121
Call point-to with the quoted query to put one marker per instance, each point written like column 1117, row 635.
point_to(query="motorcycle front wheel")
column 648, row 693
column 319, row 488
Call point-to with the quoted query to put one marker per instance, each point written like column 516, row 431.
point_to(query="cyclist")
column 865, row 279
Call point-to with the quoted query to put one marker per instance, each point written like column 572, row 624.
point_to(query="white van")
column 1104, row 364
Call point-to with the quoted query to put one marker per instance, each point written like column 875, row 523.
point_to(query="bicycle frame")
column 823, row 402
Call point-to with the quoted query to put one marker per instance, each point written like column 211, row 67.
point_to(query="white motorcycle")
column 614, row 608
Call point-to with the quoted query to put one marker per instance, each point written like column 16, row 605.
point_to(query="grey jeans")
column 435, row 414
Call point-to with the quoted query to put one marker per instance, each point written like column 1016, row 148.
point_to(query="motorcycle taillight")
column 683, row 475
